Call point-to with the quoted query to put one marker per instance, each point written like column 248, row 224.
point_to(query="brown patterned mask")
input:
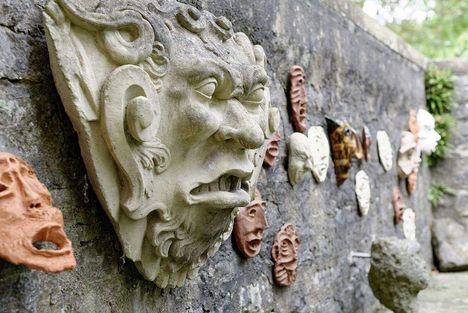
column 27, row 217
column 249, row 226
column 398, row 204
column 345, row 144
column 272, row 150
column 297, row 98
column 284, row 253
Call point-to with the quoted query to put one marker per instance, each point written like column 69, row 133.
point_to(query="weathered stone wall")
column 349, row 73
column 450, row 228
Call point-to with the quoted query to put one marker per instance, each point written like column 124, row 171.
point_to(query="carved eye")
column 257, row 95
column 207, row 88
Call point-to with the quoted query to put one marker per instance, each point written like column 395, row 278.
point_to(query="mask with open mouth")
column 28, row 220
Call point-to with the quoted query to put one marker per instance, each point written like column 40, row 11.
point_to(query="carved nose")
column 241, row 128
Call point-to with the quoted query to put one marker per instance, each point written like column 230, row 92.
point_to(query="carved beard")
column 180, row 248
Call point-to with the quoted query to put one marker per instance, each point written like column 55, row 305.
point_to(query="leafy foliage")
column 439, row 89
column 437, row 192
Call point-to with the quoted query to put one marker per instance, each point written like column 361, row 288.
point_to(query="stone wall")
column 450, row 228
column 350, row 73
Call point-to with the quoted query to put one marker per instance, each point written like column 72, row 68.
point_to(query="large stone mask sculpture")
column 28, row 218
column 172, row 112
column 345, row 144
column 428, row 137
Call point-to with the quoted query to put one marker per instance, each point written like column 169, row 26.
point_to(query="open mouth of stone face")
column 227, row 191
column 255, row 244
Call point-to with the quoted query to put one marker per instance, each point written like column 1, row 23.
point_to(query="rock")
column 398, row 273
column 450, row 244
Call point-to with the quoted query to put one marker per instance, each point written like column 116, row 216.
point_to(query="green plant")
column 439, row 89
column 437, row 192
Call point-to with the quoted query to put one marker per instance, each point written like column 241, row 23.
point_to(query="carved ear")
column 129, row 102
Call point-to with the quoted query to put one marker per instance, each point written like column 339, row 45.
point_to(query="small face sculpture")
column 385, row 150
column 320, row 152
column 363, row 192
column 398, row 204
column 366, row 142
column 409, row 156
column 428, row 137
column 284, row 253
column 297, row 98
column 272, row 150
column 409, row 224
column 413, row 123
column 300, row 157
column 345, row 144
column 412, row 182
column 249, row 226
column 28, row 217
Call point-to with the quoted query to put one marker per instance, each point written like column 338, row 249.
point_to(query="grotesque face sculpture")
column 385, row 150
column 398, row 204
column 366, row 142
column 411, row 182
column 409, row 224
column 409, row 156
column 363, row 192
column 249, row 225
column 345, row 144
column 173, row 113
column 284, row 253
column 320, row 152
column 28, row 218
column 272, row 150
column 428, row 137
column 297, row 98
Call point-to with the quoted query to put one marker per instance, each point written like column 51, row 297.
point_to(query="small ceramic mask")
column 409, row 224
column 27, row 218
column 297, row 98
column 285, row 254
column 385, row 150
column 300, row 157
column 411, row 182
column 249, row 225
column 409, row 156
column 413, row 123
column 366, row 142
column 398, row 204
column 428, row 137
column 320, row 152
column 363, row 192
column 272, row 150
column 345, row 144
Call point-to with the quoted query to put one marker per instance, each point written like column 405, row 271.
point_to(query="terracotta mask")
column 409, row 224
column 272, row 150
column 411, row 182
column 366, row 142
column 345, row 144
column 398, row 204
column 284, row 253
column 173, row 112
column 385, row 150
column 297, row 98
column 409, row 156
column 413, row 125
column 28, row 218
column 363, row 192
column 249, row 225
column 428, row 137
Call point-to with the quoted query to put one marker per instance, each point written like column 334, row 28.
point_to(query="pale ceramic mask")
column 27, row 218
column 300, row 157
column 363, row 192
column 285, row 254
column 409, row 224
column 320, row 152
column 409, row 156
column 428, row 137
column 173, row 114
column 385, row 150
column 249, row 225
